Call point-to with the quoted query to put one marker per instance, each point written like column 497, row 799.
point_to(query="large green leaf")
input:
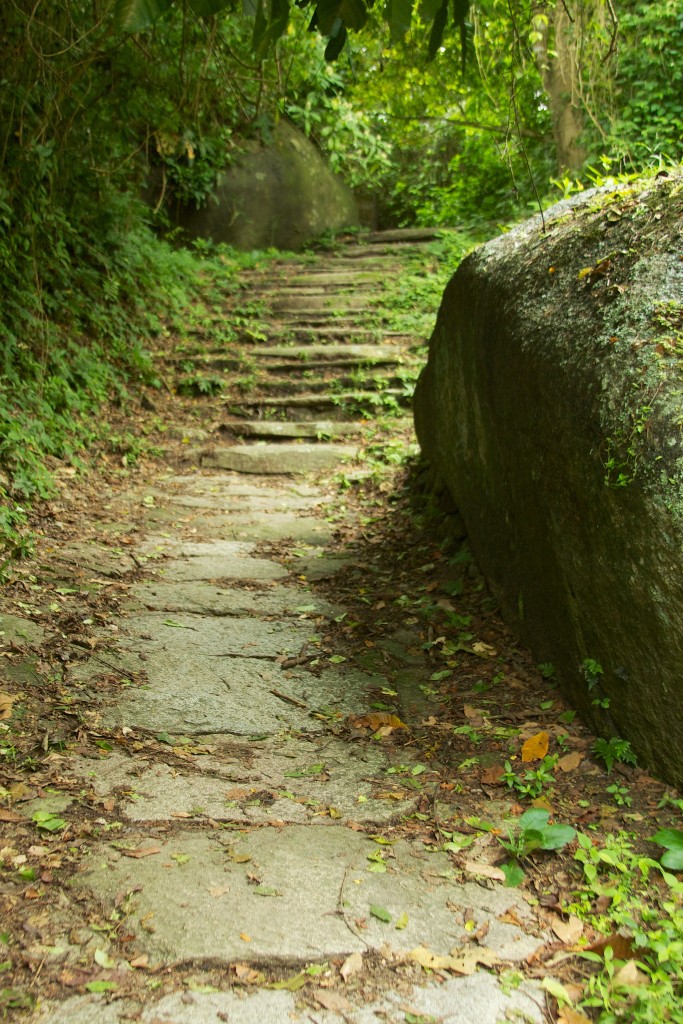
column 352, row 14
column 137, row 15
column 206, row 8
column 557, row 836
column 672, row 839
column 336, row 44
column 400, row 15
column 438, row 29
column 267, row 29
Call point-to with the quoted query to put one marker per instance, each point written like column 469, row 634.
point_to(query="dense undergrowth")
column 67, row 356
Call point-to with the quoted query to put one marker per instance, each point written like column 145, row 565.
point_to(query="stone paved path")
column 257, row 844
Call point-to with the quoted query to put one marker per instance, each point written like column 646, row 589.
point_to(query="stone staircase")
column 324, row 352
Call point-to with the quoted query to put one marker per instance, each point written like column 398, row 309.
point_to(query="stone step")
column 312, row 430
column 293, row 384
column 320, row 302
column 278, row 459
column 307, row 356
column 343, row 406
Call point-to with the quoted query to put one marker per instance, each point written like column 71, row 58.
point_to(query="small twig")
column 290, row 700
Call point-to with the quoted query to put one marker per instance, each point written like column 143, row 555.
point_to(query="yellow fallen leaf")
column 463, row 962
column 244, row 937
column 6, row 702
column 378, row 720
column 536, row 747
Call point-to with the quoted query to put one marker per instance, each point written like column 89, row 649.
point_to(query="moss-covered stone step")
column 342, row 406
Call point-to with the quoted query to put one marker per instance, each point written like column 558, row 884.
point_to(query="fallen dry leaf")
column 487, row 870
column 141, row 851
column 536, row 747
column 464, row 962
column 493, row 775
column 629, row 976
column 246, row 974
column 569, row 931
column 568, row 1015
column 621, row 945
column 244, row 937
column 331, row 1000
column 139, row 961
column 6, row 702
column 219, row 890
column 352, row 965
column 570, row 761
column 7, row 815
column 378, row 720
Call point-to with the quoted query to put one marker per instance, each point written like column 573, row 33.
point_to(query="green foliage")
column 672, row 841
column 532, row 832
column 651, row 914
column 614, row 749
column 534, row 780
column 649, row 81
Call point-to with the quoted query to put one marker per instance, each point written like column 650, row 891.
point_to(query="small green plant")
column 672, row 840
column 534, row 780
column 620, row 795
column 198, row 384
column 532, row 832
column 613, row 750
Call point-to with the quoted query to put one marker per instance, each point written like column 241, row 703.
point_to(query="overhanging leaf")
column 400, row 15
column 137, row 15
column 438, row 29
column 206, row 8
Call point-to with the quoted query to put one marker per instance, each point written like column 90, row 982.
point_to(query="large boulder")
column 279, row 195
column 551, row 406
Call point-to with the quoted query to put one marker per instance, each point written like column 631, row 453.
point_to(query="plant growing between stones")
column 529, row 833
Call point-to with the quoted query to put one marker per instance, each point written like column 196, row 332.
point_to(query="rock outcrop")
column 551, row 408
column 280, row 195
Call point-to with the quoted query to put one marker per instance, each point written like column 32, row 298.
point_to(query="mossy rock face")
column 552, row 407
column 281, row 195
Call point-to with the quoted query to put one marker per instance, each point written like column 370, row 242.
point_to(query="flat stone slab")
column 199, row 691
column 276, row 459
column 296, row 303
column 319, row 429
column 89, row 555
column 477, row 999
column 283, row 779
column 264, row 526
column 338, row 354
column 208, row 561
column 19, row 631
column 298, row 893
column 194, row 636
column 200, row 598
